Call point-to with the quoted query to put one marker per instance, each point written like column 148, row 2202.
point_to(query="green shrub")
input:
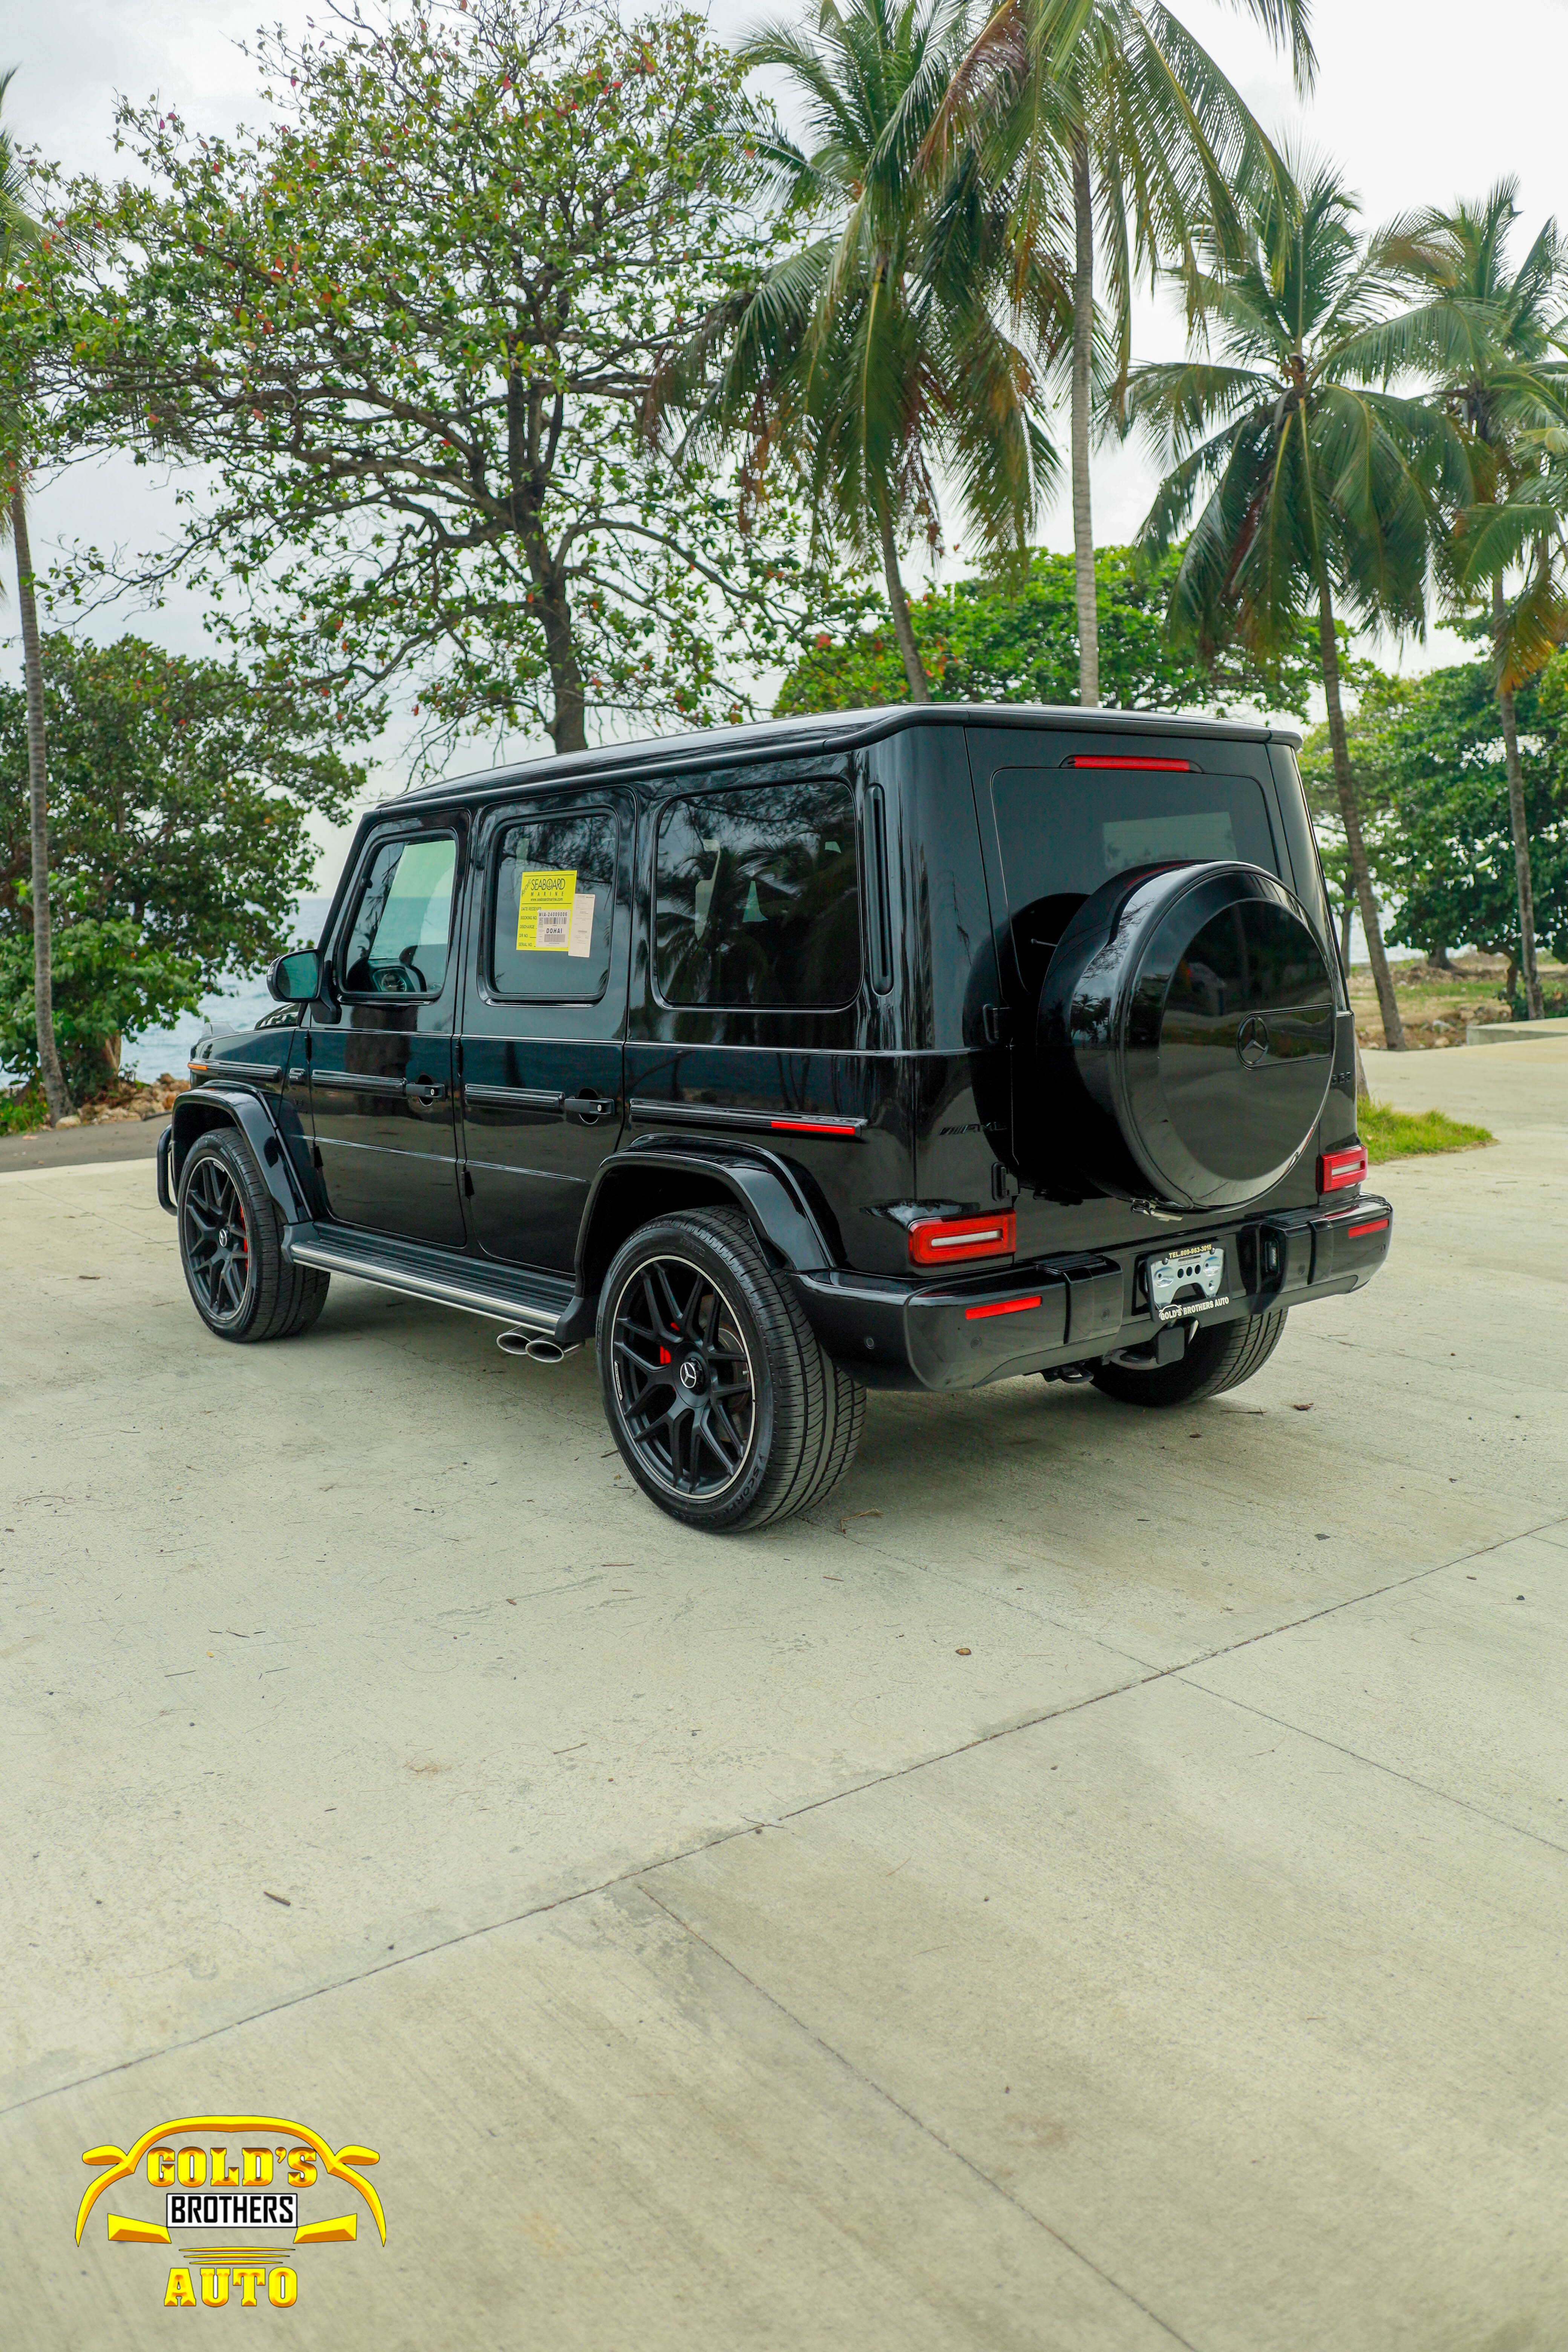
column 23, row 1109
column 107, row 980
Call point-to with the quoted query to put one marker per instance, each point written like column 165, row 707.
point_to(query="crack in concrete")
column 929, row 2130
column 637, row 1872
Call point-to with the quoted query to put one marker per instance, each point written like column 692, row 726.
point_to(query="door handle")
column 587, row 1109
column 424, row 1091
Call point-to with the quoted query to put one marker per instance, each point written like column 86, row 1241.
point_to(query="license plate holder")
column 1184, row 1283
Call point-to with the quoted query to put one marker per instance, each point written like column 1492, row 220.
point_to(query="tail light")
column 1338, row 1170
column 947, row 1241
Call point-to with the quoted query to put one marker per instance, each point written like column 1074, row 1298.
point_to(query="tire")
column 1219, row 1358
column 782, row 1421
column 231, row 1250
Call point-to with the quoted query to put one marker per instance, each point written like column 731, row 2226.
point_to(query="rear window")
column 758, row 898
column 1063, row 831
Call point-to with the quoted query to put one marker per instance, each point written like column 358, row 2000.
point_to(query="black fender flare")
column 649, row 1180
column 208, row 1107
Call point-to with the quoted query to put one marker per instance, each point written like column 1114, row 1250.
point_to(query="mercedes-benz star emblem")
column 1252, row 1041
column 690, row 1372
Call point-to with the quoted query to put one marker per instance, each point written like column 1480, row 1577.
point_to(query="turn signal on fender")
column 1338, row 1170
column 944, row 1241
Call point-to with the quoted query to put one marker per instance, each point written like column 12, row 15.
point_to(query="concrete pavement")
column 1101, row 1884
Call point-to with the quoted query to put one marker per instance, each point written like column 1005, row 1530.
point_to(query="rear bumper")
column 1067, row 1310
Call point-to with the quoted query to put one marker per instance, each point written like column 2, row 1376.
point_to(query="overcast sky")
column 1414, row 101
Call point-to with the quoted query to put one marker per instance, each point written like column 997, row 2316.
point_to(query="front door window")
column 402, row 927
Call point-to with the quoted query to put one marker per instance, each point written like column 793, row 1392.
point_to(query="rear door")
column 543, row 1019
column 381, row 1075
column 1063, row 813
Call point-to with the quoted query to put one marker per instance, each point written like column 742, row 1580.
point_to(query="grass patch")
column 23, row 1110
column 1390, row 1134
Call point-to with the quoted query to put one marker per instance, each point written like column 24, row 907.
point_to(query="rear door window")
column 757, row 898
column 1064, row 831
column 552, row 890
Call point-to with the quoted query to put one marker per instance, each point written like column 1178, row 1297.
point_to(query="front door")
column 544, row 1001
column 381, row 1075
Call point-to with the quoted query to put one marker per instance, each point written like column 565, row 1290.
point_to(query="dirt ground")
column 1436, row 1005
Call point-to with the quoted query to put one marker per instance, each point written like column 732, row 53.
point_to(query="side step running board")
column 537, row 1304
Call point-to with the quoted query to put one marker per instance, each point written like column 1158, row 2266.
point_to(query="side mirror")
column 299, row 978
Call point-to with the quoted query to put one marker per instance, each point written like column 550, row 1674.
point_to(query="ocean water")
column 238, row 1006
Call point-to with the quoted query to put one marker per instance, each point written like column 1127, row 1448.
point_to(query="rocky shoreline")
column 129, row 1099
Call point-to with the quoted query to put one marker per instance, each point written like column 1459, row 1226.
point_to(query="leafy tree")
column 1486, row 335
column 107, row 980
column 182, row 799
column 20, row 238
column 409, row 325
column 1315, row 484
column 988, row 640
column 1427, row 753
column 1109, row 117
column 872, row 356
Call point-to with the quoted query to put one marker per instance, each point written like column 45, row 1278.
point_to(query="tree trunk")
column 55, row 1094
column 1438, row 959
column 1082, row 352
column 1534, row 1003
column 1350, row 817
column 569, row 728
column 903, row 628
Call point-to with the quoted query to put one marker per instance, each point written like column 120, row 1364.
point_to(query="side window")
column 402, row 929
column 758, row 902
column 552, row 894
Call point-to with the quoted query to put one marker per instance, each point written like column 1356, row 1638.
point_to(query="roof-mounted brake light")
column 1094, row 760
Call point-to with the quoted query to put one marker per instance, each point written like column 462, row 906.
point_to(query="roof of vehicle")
column 840, row 730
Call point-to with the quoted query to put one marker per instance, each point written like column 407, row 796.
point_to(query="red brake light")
column 1000, row 1306
column 1094, row 759
column 1338, row 1170
column 941, row 1241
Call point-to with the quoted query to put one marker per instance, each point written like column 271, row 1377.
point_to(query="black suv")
column 892, row 1049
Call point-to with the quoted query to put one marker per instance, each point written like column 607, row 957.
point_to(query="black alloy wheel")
column 683, row 1378
column 231, row 1246
column 214, row 1243
column 726, row 1410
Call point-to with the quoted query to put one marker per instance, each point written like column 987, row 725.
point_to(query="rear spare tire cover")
column 1185, row 1035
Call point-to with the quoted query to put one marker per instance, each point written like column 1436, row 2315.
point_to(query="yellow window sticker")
column 544, row 911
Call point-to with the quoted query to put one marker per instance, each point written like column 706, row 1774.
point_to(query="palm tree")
column 1316, row 483
column 876, row 354
column 1485, row 336
column 19, row 231
column 1110, row 113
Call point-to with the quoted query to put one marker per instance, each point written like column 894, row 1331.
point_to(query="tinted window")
column 403, row 924
column 1065, row 831
column 551, row 898
column 758, row 898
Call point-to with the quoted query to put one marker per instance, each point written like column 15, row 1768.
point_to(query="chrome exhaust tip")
column 529, row 1344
